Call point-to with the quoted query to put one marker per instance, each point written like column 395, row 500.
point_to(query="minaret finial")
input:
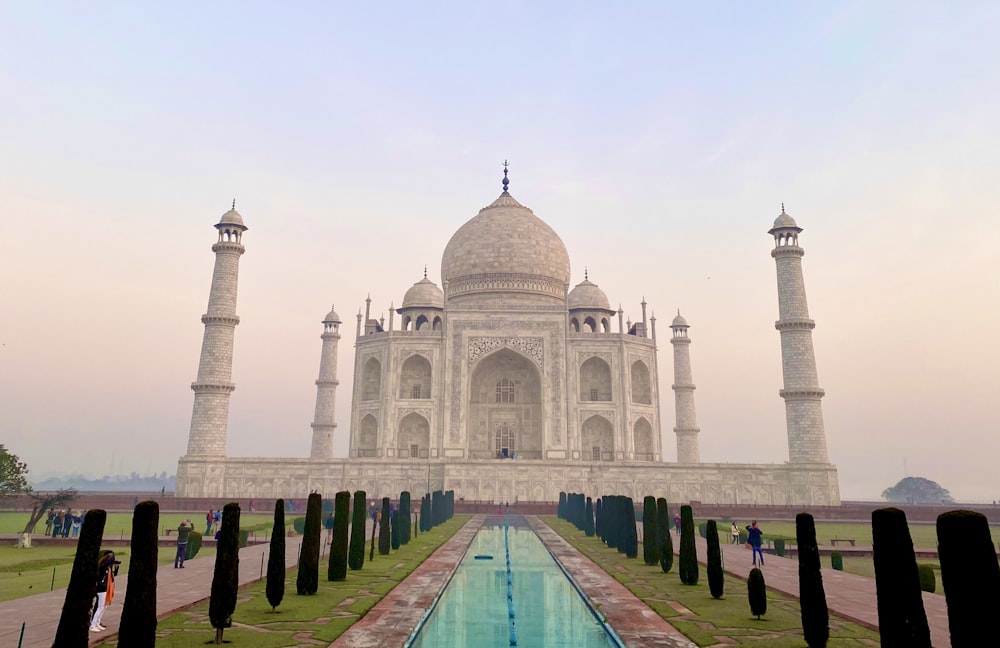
column 586, row 275
column 234, row 203
column 782, row 207
column 505, row 180
column 425, row 271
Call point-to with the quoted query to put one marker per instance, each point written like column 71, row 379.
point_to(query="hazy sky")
column 658, row 139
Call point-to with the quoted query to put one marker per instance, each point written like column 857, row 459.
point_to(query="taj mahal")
column 506, row 383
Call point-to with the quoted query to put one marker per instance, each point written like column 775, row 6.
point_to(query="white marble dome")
column 784, row 220
column 506, row 248
column 232, row 217
column 332, row 316
column 587, row 296
column 423, row 294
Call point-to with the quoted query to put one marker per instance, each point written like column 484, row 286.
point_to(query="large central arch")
column 505, row 407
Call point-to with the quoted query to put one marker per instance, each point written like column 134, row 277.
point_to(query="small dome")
column 587, row 296
column 679, row 321
column 332, row 316
column 232, row 217
column 423, row 294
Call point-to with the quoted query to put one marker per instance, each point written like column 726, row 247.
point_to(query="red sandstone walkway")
column 847, row 595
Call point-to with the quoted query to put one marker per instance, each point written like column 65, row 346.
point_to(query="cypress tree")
column 561, row 510
column 356, row 554
column 716, row 580
column 598, row 513
column 757, row 593
column 970, row 576
column 308, row 579
column 902, row 621
column 138, row 624
column 689, row 554
column 588, row 521
column 394, row 531
column 663, row 529
column 631, row 535
column 437, row 508
column 337, row 564
column 74, row 622
column 226, row 580
column 424, row 509
column 383, row 529
column 404, row 510
column 612, row 522
column 812, row 597
column 650, row 534
column 275, row 589
column 371, row 553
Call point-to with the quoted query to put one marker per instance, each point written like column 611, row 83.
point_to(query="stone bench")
column 835, row 541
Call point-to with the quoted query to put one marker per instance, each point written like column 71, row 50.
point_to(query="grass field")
column 306, row 620
column 703, row 619
column 120, row 524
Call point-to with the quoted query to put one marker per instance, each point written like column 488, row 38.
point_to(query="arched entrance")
column 505, row 407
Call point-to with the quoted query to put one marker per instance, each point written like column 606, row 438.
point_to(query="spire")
column 782, row 207
column 234, row 203
column 425, row 271
column 505, row 180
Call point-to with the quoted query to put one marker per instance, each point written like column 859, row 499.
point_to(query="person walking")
column 106, row 571
column 183, row 533
column 677, row 523
column 735, row 533
column 754, row 537
column 328, row 525
column 208, row 522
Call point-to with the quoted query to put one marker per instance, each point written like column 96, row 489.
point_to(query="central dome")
column 506, row 249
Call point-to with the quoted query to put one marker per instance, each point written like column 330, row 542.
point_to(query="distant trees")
column 917, row 490
column 13, row 474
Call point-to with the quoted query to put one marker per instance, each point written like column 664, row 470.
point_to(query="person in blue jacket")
column 754, row 537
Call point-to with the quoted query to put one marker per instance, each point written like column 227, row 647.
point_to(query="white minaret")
column 324, row 423
column 802, row 394
column 210, row 417
column 686, row 420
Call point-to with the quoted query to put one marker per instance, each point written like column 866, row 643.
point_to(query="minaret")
column 324, row 422
column 210, row 418
column 802, row 394
column 686, row 427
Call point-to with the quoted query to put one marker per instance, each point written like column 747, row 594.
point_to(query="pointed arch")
column 590, row 326
column 415, row 377
column 437, row 324
column 595, row 380
column 414, row 437
column 367, row 437
column 641, row 387
column 597, row 439
column 421, row 323
column 642, row 440
column 505, row 388
column 371, row 380
column 575, row 325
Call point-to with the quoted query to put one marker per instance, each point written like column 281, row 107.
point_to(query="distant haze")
column 657, row 139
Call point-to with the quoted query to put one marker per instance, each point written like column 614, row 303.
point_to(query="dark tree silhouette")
column 970, row 576
column 356, row 554
column 902, row 622
column 276, row 558
column 383, row 529
column 404, row 510
column 588, row 521
column 650, row 533
column 337, row 569
column 812, row 597
column 308, row 578
column 138, row 625
column 74, row 623
column 689, row 555
column 716, row 579
column 666, row 541
column 226, row 580
column 757, row 593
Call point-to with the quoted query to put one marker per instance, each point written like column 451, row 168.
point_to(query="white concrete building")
column 505, row 383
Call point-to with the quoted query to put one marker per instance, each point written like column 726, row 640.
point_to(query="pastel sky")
column 659, row 139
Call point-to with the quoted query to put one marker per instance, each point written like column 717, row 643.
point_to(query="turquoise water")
column 472, row 611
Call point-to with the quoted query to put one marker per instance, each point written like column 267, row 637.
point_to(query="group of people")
column 63, row 523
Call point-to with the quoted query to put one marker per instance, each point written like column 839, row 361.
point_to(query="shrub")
column 394, row 531
column 703, row 530
column 404, row 510
column 588, row 522
column 194, row 544
column 631, row 536
column 928, row 581
column 226, row 579
column 437, row 508
column 779, row 545
column 666, row 542
column 74, row 621
column 970, row 576
column 901, row 617
column 812, row 597
column 244, row 538
column 337, row 567
column 598, row 519
column 689, row 555
column 356, row 553
column 716, row 581
column 308, row 578
column 650, row 532
column 757, row 593
column 837, row 560
column 138, row 621
column 561, row 510
column 383, row 529
column 299, row 524
column 275, row 589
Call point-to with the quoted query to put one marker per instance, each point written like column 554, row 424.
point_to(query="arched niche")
column 371, row 380
column 414, row 437
column 595, row 380
column 415, row 378
column 642, row 440
column 641, row 387
column 368, row 437
column 421, row 323
column 505, row 388
column 597, row 439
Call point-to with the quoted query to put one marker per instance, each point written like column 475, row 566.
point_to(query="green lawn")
column 306, row 620
column 703, row 619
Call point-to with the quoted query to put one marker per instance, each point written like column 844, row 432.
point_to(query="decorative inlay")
column 403, row 412
column 533, row 347
column 587, row 414
column 583, row 356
